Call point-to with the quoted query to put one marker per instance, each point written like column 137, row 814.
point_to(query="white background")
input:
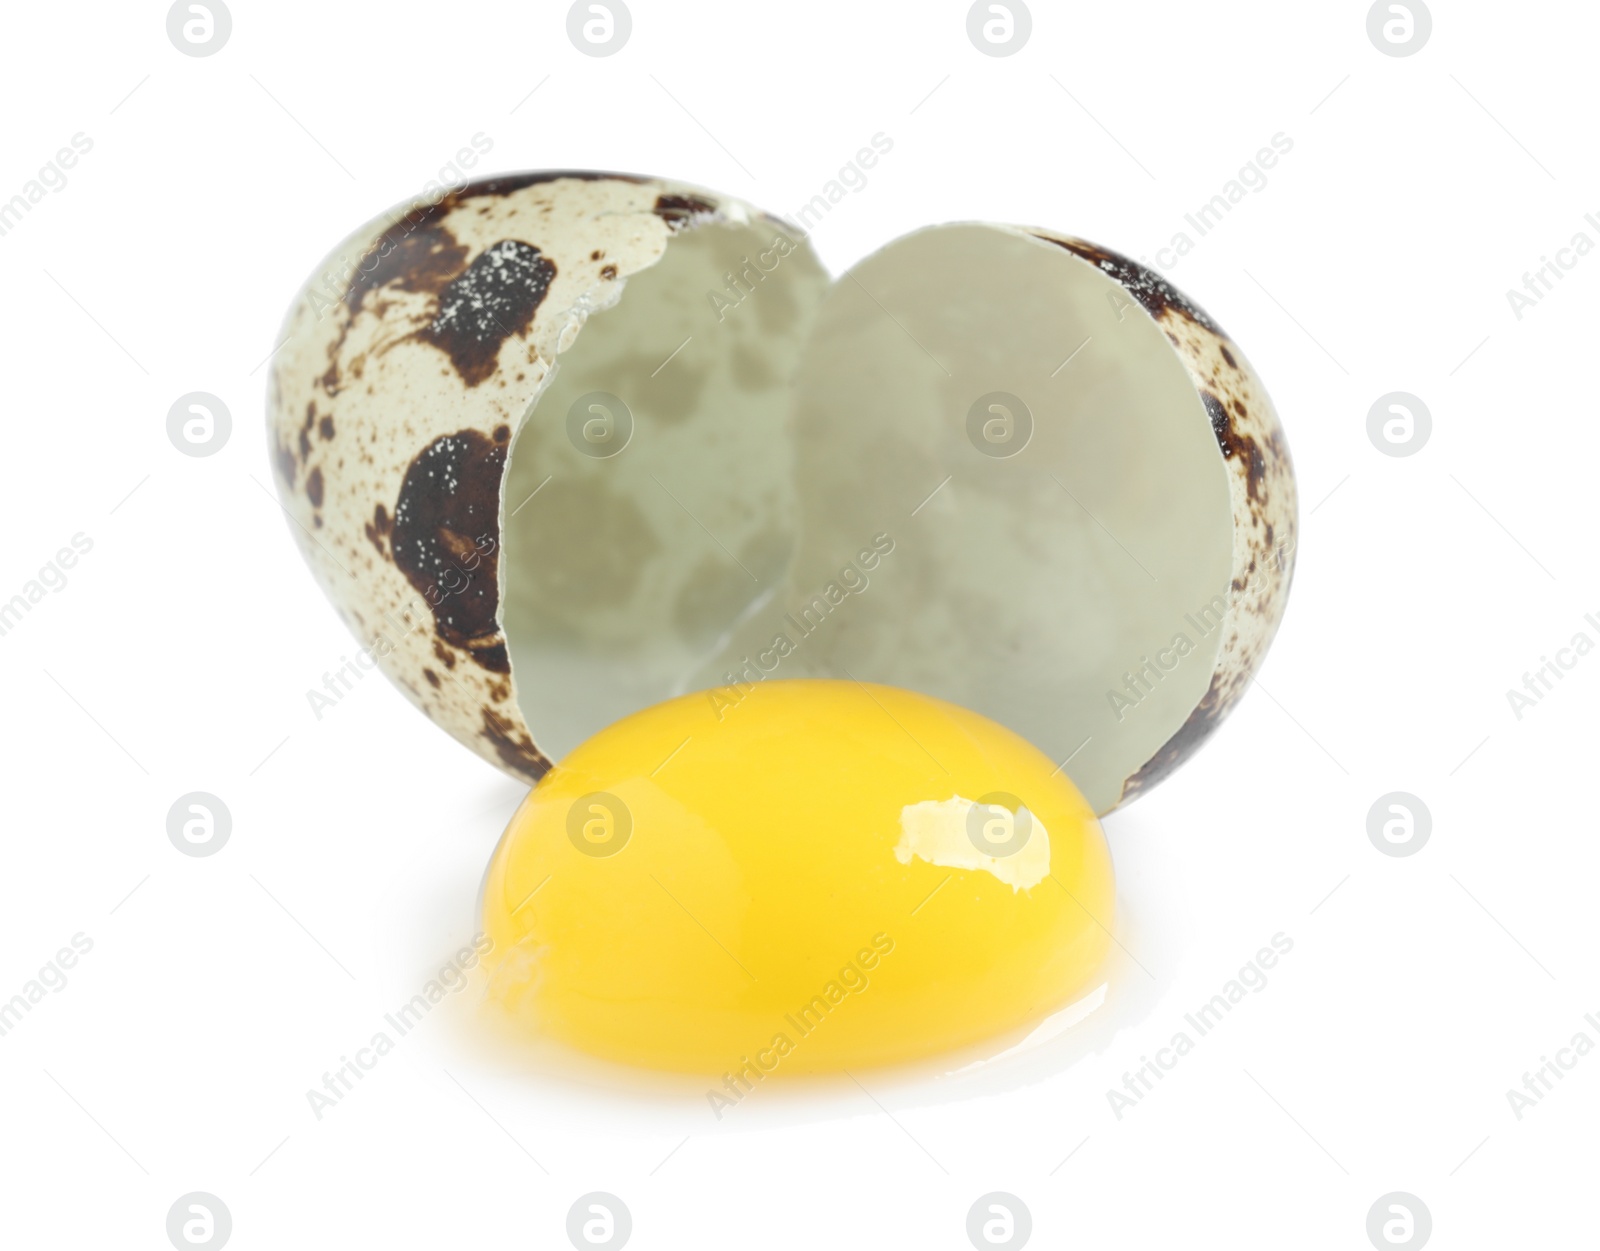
column 177, row 656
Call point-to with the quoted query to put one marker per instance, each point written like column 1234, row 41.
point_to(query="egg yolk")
column 796, row 876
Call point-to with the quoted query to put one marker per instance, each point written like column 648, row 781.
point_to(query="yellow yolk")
column 803, row 876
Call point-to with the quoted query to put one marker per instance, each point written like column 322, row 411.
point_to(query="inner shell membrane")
column 992, row 481
column 650, row 496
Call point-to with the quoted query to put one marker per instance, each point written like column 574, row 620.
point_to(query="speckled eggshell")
column 406, row 364
column 1260, row 482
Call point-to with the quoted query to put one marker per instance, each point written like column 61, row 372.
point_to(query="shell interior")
column 650, row 498
column 987, row 476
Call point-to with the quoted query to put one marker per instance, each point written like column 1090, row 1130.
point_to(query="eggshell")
column 406, row 363
column 1261, row 484
column 412, row 357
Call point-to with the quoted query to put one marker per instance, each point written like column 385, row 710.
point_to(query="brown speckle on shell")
column 1200, row 725
column 491, row 654
column 1235, row 444
column 378, row 529
column 505, row 184
column 492, row 301
column 415, row 254
column 514, row 747
column 1146, row 286
column 446, row 538
column 678, row 210
column 284, row 463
